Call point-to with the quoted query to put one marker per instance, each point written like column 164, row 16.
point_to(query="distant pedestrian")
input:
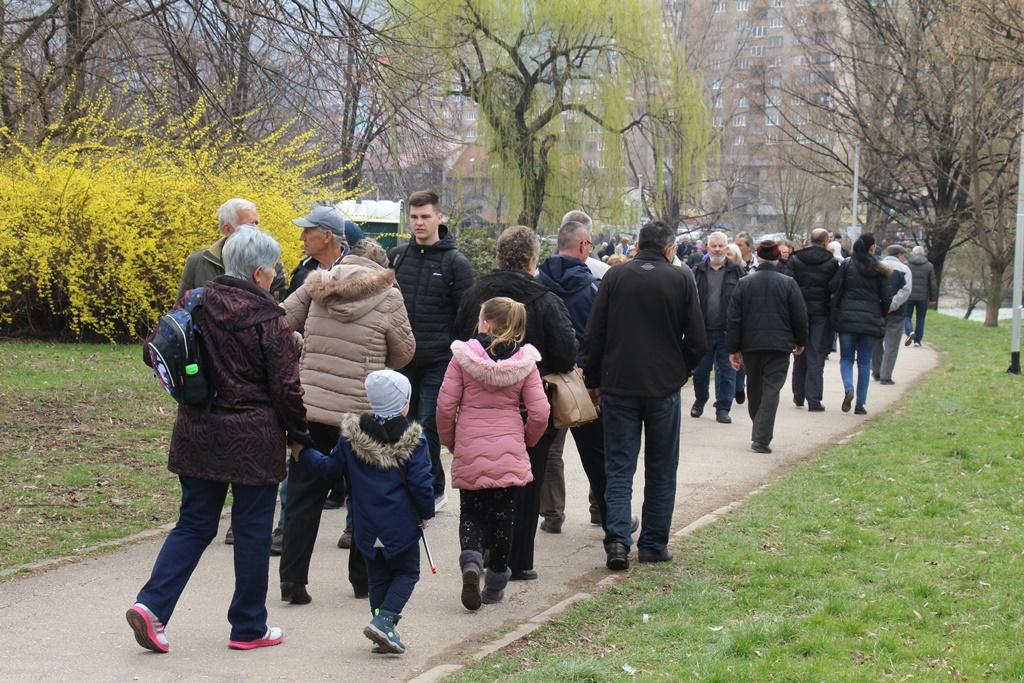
column 716, row 280
column 645, row 332
column 767, row 322
column 479, row 419
column 859, row 304
column 899, row 284
column 387, row 461
column 813, row 267
column 925, row 293
column 238, row 441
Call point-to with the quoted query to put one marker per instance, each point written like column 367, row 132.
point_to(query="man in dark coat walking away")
column 645, row 332
column 432, row 275
column 767, row 322
column 716, row 278
column 813, row 268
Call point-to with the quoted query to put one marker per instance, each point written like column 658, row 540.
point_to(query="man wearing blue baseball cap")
column 326, row 238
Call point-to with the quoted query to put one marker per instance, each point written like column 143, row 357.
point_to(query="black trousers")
column 589, row 440
column 766, row 373
column 305, row 504
column 486, row 521
column 528, row 505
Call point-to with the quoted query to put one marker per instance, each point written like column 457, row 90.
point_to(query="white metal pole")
column 855, row 221
column 1018, row 257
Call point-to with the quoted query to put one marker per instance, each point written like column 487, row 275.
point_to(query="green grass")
column 897, row 556
column 83, row 453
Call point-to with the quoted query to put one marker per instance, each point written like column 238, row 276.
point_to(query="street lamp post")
column 1018, row 257
column 854, row 220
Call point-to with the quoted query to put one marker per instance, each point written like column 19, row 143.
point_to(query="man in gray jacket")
column 883, row 360
column 925, row 293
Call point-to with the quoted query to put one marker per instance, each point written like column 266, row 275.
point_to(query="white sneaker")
column 440, row 501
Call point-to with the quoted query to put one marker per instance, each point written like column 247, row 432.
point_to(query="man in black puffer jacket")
column 432, row 275
column 767, row 321
column 813, row 268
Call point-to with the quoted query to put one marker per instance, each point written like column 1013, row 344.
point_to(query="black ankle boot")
column 295, row 593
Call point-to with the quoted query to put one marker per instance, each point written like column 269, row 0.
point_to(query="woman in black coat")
column 859, row 305
column 549, row 329
column 238, row 440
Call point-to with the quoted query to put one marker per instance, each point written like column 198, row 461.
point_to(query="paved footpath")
column 68, row 624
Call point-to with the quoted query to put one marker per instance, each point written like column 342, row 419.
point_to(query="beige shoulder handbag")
column 570, row 402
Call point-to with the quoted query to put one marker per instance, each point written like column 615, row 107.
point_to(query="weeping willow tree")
column 557, row 89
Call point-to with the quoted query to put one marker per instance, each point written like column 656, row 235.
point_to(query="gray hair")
column 567, row 235
column 248, row 249
column 895, row 250
column 746, row 237
column 227, row 214
column 370, row 248
column 718, row 233
column 918, row 250
column 576, row 216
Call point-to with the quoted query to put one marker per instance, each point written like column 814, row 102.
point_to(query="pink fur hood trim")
column 474, row 360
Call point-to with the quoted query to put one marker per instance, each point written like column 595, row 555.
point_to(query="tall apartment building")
column 761, row 71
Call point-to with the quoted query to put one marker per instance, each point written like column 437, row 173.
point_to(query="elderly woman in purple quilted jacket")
column 239, row 440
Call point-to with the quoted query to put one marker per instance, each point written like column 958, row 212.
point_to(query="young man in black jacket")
column 645, row 332
column 432, row 275
column 813, row 268
column 767, row 321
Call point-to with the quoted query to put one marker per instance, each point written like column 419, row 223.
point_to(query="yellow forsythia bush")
column 95, row 226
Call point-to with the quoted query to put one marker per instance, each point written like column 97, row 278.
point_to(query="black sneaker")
column 847, row 401
column 697, row 410
column 887, row 382
column 815, row 407
column 295, row 593
column 276, row 541
column 860, row 410
column 618, row 557
column 910, row 340
column 345, row 540
column 798, row 401
column 759, row 447
column 741, row 396
column 723, row 417
column 662, row 555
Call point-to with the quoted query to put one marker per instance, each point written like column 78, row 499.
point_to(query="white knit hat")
column 388, row 391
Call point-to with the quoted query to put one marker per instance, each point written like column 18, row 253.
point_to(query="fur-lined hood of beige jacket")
column 354, row 322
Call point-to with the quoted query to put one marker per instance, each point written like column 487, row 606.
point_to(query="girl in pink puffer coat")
column 479, row 419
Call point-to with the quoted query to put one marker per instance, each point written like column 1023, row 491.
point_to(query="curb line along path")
column 68, row 623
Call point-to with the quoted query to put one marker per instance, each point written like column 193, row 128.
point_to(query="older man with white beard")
column 716, row 278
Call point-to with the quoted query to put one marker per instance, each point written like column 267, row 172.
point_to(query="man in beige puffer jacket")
column 355, row 322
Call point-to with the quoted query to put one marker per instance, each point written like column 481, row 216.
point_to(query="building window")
column 773, row 101
column 775, row 60
column 801, row 20
column 772, row 119
column 800, row 60
column 719, row 45
column 772, row 138
column 759, row 31
column 738, row 85
column 776, row 22
column 775, row 41
column 718, row 102
column 739, row 121
column 775, row 81
column 718, row 7
column 744, row 25
column 742, row 5
column 716, row 65
column 778, row 3
column 717, row 122
column 757, row 51
column 738, row 141
column 716, row 84
column 742, row 103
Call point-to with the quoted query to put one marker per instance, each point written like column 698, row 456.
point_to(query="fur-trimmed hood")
column 384, row 456
column 351, row 288
column 474, row 360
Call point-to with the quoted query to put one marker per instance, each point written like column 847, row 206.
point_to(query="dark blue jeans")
column 625, row 417
column 809, row 366
column 391, row 581
column 252, row 516
column 861, row 346
column 921, row 309
column 426, row 384
column 725, row 376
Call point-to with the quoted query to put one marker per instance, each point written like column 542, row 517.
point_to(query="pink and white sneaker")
column 149, row 631
column 273, row 636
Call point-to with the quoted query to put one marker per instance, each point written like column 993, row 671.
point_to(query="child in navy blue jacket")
column 385, row 458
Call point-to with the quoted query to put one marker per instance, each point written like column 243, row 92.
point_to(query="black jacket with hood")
column 767, row 313
column 572, row 282
column 432, row 279
column 548, row 327
column 813, row 268
column 860, row 299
